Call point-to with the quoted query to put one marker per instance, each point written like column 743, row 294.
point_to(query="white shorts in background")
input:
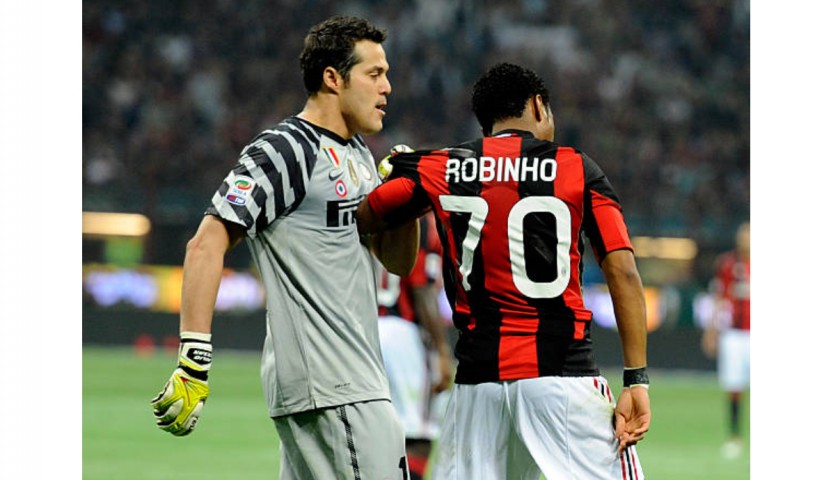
column 407, row 368
column 561, row 427
column 734, row 360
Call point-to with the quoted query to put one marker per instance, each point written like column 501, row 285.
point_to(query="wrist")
column 636, row 377
column 195, row 354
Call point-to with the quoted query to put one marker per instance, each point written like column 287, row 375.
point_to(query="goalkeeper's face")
column 364, row 92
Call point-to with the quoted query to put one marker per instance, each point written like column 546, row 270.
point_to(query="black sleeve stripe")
column 277, row 174
column 596, row 179
column 310, row 154
column 294, row 189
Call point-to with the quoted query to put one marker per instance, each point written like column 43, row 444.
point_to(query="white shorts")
column 734, row 360
column 350, row 442
column 561, row 427
column 409, row 377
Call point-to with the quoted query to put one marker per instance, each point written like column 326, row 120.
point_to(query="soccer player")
column 415, row 351
column 512, row 208
column 728, row 334
column 291, row 196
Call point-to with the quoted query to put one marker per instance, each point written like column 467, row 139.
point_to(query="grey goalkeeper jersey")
column 295, row 189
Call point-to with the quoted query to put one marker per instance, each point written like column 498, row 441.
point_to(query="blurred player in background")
column 414, row 347
column 727, row 336
column 291, row 196
column 512, row 209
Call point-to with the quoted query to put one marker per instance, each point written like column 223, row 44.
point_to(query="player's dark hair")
column 502, row 92
column 331, row 43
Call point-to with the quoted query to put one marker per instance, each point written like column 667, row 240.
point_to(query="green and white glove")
column 384, row 169
column 178, row 406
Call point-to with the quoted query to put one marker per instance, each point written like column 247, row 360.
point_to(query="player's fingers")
column 191, row 420
column 624, row 442
column 168, row 390
column 636, row 434
column 639, row 425
column 620, row 423
column 165, row 417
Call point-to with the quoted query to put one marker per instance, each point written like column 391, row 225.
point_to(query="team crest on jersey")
column 240, row 189
column 340, row 189
column 353, row 175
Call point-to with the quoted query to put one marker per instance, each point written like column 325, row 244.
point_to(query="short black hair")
column 331, row 43
column 503, row 91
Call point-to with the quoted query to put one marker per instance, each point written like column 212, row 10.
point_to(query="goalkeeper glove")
column 178, row 406
column 384, row 169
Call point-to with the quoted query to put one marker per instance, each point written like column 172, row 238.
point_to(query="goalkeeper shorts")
column 354, row 441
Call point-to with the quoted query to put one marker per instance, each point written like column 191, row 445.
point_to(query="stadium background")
column 656, row 92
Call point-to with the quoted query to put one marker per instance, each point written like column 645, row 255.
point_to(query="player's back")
column 511, row 209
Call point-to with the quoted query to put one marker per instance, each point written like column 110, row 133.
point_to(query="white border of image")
column 40, row 307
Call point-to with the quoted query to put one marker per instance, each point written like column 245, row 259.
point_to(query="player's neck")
column 323, row 110
column 514, row 124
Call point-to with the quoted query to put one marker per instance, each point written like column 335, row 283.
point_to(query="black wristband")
column 201, row 375
column 636, row 376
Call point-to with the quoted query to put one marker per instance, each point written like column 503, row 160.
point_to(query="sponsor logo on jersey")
column 236, row 200
column 341, row 213
column 240, row 189
column 340, row 189
column 334, row 174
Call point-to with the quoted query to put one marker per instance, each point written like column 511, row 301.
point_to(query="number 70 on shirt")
column 478, row 208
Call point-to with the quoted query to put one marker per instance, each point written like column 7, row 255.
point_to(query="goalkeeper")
column 292, row 196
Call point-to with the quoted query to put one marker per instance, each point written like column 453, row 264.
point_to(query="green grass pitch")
column 236, row 440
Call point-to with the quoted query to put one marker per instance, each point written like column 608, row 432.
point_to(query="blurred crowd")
column 657, row 92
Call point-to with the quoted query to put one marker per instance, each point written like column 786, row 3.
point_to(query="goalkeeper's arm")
column 178, row 406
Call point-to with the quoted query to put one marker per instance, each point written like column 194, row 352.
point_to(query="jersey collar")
column 323, row 131
column 513, row 131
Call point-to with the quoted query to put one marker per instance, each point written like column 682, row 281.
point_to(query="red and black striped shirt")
column 511, row 213
column 731, row 283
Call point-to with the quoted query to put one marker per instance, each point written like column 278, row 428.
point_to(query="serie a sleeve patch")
column 240, row 190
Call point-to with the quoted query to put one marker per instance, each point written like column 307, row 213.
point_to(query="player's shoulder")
column 291, row 130
column 289, row 141
column 536, row 147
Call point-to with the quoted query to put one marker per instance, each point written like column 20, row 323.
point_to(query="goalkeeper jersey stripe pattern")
column 295, row 189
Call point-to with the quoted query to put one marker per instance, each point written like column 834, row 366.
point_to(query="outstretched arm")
column 632, row 411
